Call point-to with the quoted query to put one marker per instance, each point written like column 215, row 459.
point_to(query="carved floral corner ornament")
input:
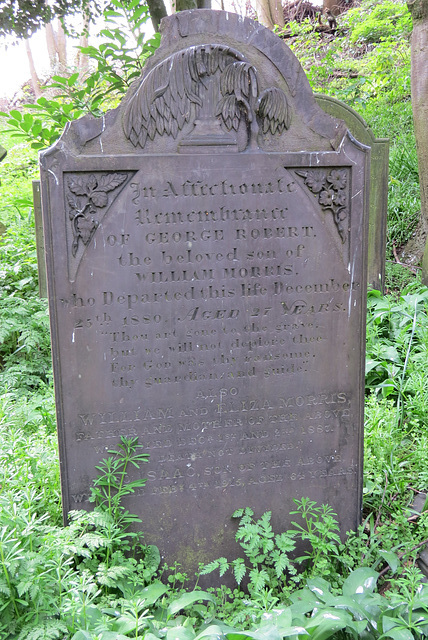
column 86, row 196
column 331, row 189
column 208, row 86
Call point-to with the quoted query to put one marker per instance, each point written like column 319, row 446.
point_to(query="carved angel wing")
column 272, row 108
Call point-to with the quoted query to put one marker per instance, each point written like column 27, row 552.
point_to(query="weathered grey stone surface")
column 3, row 154
column 207, row 281
column 379, row 170
column 40, row 240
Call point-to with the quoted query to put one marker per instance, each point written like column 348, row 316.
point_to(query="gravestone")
column 40, row 240
column 379, row 169
column 378, row 204
column 207, row 282
column 3, row 154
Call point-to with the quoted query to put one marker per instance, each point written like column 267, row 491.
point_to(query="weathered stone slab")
column 40, row 240
column 3, row 154
column 207, row 281
column 379, row 170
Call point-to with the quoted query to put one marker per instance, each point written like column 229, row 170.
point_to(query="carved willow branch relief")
column 331, row 188
column 185, row 88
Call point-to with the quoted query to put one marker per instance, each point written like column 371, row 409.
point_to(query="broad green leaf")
column 281, row 618
column 320, row 587
column 303, row 601
column 180, row 633
column 400, row 634
column 152, row 556
column 361, row 581
column 392, row 629
column 267, row 633
column 387, row 387
column 82, row 635
column 17, row 115
column 72, row 79
column 371, row 364
column 327, row 622
column 105, row 635
column 212, row 631
column 93, row 614
column 122, row 628
column 186, row 599
column 366, row 612
column 392, row 559
column 153, row 592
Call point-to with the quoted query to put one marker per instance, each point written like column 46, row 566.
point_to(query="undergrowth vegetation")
column 96, row 579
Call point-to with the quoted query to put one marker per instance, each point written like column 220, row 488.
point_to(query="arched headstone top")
column 217, row 82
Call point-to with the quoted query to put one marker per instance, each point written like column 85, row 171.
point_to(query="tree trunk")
column 182, row 5
column 419, row 57
column 157, row 11
column 176, row 5
column 61, row 46
column 35, row 82
column 83, row 58
column 270, row 13
column 51, row 45
column 332, row 5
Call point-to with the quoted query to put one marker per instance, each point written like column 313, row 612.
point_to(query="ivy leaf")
column 72, row 203
column 86, row 227
column 92, row 183
column 78, row 186
column 99, row 198
column 109, row 182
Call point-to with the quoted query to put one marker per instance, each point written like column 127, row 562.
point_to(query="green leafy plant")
column 377, row 21
column 112, row 485
column 25, row 359
column 320, row 530
column 119, row 59
column 395, row 329
column 268, row 555
column 272, row 569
